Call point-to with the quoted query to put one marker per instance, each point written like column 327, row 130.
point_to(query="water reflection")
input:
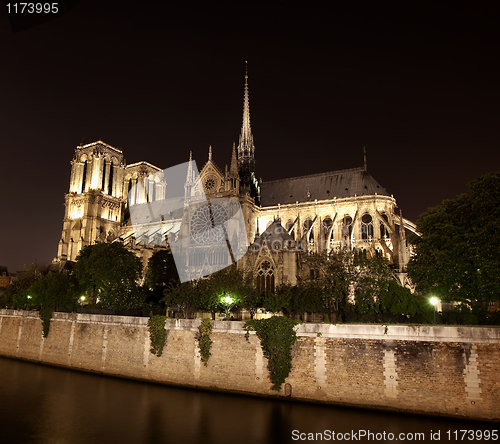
column 41, row 404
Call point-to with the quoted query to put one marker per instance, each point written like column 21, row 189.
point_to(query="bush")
column 277, row 336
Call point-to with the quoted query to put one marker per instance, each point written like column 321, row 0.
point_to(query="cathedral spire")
column 246, row 148
column 246, row 151
column 210, row 152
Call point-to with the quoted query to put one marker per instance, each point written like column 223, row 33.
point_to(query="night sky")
column 419, row 87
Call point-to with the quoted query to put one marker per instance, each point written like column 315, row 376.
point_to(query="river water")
column 42, row 404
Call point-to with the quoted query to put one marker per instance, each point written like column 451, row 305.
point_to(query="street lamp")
column 228, row 302
column 82, row 300
column 434, row 302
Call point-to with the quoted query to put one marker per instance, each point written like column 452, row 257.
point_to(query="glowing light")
column 228, row 300
column 76, row 211
column 29, row 297
column 82, row 298
column 434, row 301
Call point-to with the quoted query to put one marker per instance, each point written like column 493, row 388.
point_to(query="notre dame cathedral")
column 315, row 213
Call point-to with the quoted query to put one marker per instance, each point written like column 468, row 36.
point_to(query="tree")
column 50, row 292
column 373, row 277
column 340, row 276
column 251, row 296
column 303, row 297
column 161, row 274
column 184, row 296
column 397, row 300
column 109, row 273
column 53, row 290
column 457, row 257
column 17, row 293
column 226, row 290
column 280, row 300
column 332, row 274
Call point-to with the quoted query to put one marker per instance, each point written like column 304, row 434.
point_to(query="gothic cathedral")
column 283, row 218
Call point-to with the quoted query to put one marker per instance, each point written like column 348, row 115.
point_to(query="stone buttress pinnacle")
column 190, row 177
column 234, row 163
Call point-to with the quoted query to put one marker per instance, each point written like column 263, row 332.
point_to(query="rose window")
column 202, row 229
column 210, row 184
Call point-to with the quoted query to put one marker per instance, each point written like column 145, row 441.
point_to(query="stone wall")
column 438, row 370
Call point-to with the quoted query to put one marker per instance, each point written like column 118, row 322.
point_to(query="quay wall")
column 450, row 371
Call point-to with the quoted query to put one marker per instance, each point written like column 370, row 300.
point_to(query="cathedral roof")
column 157, row 211
column 324, row 186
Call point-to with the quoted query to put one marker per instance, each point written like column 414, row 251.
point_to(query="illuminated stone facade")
column 94, row 206
column 315, row 213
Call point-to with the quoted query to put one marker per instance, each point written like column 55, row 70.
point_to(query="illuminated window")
column 383, row 231
column 110, row 182
column 84, row 179
column 327, row 225
column 289, row 225
column 103, row 178
column 347, row 228
column 308, row 225
column 366, row 226
column 265, row 277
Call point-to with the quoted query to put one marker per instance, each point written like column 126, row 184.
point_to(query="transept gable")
column 211, row 176
column 275, row 238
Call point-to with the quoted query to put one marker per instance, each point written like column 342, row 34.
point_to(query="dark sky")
column 417, row 86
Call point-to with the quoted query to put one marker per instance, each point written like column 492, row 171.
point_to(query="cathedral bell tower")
column 246, row 152
column 95, row 202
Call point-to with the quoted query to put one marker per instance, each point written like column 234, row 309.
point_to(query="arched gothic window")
column 110, row 182
column 265, row 277
column 383, row 231
column 84, row 179
column 366, row 226
column 131, row 202
column 103, row 177
column 289, row 225
column 347, row 229
column 307, row 225
column 327, row 225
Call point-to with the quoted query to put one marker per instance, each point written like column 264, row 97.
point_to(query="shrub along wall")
column 437, row 370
